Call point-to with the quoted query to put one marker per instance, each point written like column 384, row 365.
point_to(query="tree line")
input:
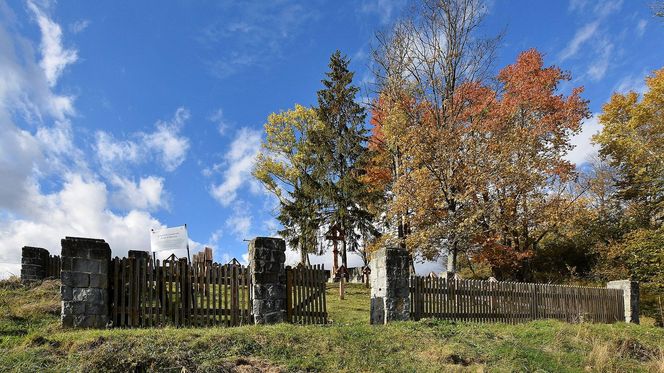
column 462, row 162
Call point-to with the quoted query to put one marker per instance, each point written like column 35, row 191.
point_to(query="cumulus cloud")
column 80, row 208
column 165, row 144
column 239, row 223
column 584, row 149
column 47, row 190
column 146, row 194
column 166, row 141
column 239, row 161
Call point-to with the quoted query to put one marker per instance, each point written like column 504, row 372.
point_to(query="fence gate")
column 305, row 287
column 149, row 293
column 512, row 302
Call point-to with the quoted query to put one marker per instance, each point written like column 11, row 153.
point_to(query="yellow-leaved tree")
column 286, row 166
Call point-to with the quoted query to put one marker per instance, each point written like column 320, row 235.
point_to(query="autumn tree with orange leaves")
column 489, row 178
column 528, row 134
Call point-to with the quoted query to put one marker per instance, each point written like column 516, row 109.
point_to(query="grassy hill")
column 31, row 340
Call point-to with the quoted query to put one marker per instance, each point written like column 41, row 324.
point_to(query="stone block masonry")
column 630, row 297
column 34, row 263
column 84, row 289
column 267, row 256
column 390, row 295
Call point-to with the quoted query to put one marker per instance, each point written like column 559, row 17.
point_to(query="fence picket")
column 509, row 302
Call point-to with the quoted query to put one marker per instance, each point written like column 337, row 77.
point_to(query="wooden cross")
column 335, row 235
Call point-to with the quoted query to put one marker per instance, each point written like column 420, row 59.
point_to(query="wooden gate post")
column 267, row 256
column 390, row 293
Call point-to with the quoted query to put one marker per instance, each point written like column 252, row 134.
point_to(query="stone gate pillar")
column 34, row 263
column 84, row 289
column 267, row 256
column 390, row 272
column 631, row 298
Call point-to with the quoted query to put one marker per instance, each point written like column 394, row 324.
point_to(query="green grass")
column 32, row 340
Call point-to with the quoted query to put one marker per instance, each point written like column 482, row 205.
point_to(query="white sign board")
column 169, row 239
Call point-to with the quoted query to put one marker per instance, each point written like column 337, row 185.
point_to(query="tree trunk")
column 452, row 259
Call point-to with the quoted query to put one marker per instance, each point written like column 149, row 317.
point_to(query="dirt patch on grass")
column 253, row 366
column 636, row 350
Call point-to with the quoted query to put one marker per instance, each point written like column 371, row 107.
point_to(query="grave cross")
column 335, row 235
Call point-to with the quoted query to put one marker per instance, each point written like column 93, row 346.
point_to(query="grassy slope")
column 31, row 340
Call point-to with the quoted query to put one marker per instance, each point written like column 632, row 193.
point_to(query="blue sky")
column 120, row 117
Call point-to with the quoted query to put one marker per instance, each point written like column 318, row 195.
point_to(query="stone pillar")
column 84, row 289
column 268, row 275
column 631, row 298
column 34, row 263
column 138, row 254
column 390, row 272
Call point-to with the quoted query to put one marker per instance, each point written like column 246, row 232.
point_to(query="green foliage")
column 632, row 141
column 342, row 151
column 643, row 255
column 287, row 168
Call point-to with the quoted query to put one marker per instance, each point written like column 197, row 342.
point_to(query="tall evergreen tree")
column 341, row 145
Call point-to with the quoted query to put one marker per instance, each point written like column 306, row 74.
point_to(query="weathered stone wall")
column 34, row 263
column 84, row 289
column 268, row 275
column 389, row 276
column 631, row 298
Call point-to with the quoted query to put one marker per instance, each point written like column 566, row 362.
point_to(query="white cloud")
column 593, row 41
column 239, row 161
column 54, row 56
column 25, row 89
column 146, row 194
column 239, row 223
column 600, row 65
column 584, row 149
column 641, row 27
column 110, row 151
column 166, row 141
column 384, row 9
column 218, row 118
column 254, row 36
column 632, row 82
column 606, row 7
column 582, row 35
column 47, row 191
column 79, row 26
column 164, row 144
column 80, row 208
column 577, row 5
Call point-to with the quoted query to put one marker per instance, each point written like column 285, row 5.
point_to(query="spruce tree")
column 341, row 145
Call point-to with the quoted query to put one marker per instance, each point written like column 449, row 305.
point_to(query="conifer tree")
column 341, row 145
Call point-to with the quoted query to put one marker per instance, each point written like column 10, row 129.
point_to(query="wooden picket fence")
column 512, row 302
column 305, row 287
column 147, row 293
column 54, row 266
